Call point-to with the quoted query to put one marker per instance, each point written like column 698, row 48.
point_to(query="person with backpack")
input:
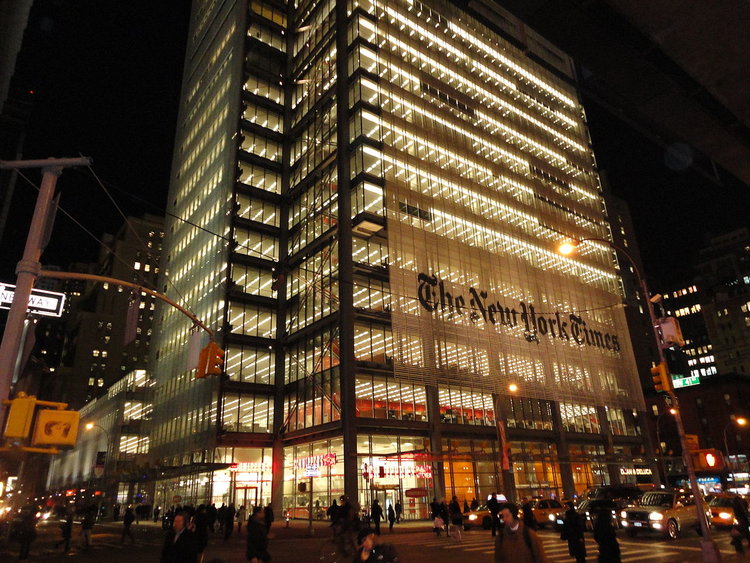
column 515, row 542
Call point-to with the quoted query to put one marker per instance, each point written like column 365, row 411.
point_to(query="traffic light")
column 20, row 416
column 210, row 361
column 215, row 359
column 661, row 378
column 708, row 460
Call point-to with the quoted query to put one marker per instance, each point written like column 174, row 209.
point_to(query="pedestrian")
column 116, row 512
column 572, row 531
column 743, row 521
column 241, row 517
column 127, row 521
column 474, row 503
column 399, row 510
column 87, row 526
column 528, row 514
column 604, row 534
column 368, row 549
column 493, row 505
column 344, row 527
column 268, row 516
column 228, row 524
column 435, row 515
column 179, row 544
column 515, row 542
column 456, row 517
column 331, row 512
column 66, row 529
column 257, row 537
column 391, row 517
column 376, row 513
column 445, row 516
column 221, row 516
column 24, row 532
column 199, row 527
column 157, row 511
column 211, row 516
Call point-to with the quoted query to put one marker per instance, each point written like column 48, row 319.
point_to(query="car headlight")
column 552, row 517
column 623, row 514
column 656, row 516
column 725, row 515
column 472, row 516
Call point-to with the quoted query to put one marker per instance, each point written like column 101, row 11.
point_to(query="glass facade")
column 378, row 187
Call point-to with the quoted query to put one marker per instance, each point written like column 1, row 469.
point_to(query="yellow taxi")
column 721, row 510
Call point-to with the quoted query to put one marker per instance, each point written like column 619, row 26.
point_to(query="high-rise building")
column 104, row 341
column 365, row 204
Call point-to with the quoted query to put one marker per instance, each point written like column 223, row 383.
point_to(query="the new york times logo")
column 433, row 296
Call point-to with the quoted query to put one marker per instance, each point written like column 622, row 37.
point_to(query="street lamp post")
column 91, row 426
column 740, row 421
column 506, row 474
column 709, row 550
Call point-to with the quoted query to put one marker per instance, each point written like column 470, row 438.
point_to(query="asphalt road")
column 414, row 542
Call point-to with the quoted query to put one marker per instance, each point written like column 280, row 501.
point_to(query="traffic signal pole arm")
column 104, row 279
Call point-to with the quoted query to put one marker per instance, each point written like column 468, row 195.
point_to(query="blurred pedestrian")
column 268, row 516
column 241, row 518
column 572, row 531
column 257, row 537
column 157, row 511
column 391, row 517
column 24, row 532
column 474, row 503
column 515, row 542
column 211, row 516
column 179, row 544
column 493, row 505
column 604, row 534
column 87, row 527
column 528, row 514
column 199, row 527
column 369, row 549
column 399, row 510
column 66, row 529
column 127, row 521
column 228, row 521
column 376, row 513
column 456, row 517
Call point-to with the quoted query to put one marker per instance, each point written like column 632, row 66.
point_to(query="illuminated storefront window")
column 470, row 469
column 394, row 469
column 536, row 469
column 313, row 477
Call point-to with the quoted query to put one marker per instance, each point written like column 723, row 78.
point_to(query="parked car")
column 666, row 512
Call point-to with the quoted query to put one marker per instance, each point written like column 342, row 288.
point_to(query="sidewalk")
column 322, row 528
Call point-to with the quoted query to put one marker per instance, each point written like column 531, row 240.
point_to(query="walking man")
column 572, row 531
column 391, row 517
column 516, row 543
column 87, row 525
column 399, row 509
column 127, row 521
column 376, row 513
column 493, row 505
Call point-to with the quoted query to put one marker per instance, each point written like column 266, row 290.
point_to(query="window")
column 384, row 398
column 462, row 405
column 246, row 412
column 250, row 364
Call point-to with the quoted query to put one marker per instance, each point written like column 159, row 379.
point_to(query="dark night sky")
column 106, row 81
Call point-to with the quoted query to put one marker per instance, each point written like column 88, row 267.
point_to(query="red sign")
column 315, row 461
column 249, row 467
column 416, row 493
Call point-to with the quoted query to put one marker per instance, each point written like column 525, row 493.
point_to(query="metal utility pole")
column 709, row 549
column 28, row 268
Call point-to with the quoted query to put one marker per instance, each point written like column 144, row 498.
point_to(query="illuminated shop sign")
column 386, row 469
column 635, row 471
column 315, row 461
column 433, row 296
column 249, row 467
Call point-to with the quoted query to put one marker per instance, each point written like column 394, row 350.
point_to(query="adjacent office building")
column 365, row 204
